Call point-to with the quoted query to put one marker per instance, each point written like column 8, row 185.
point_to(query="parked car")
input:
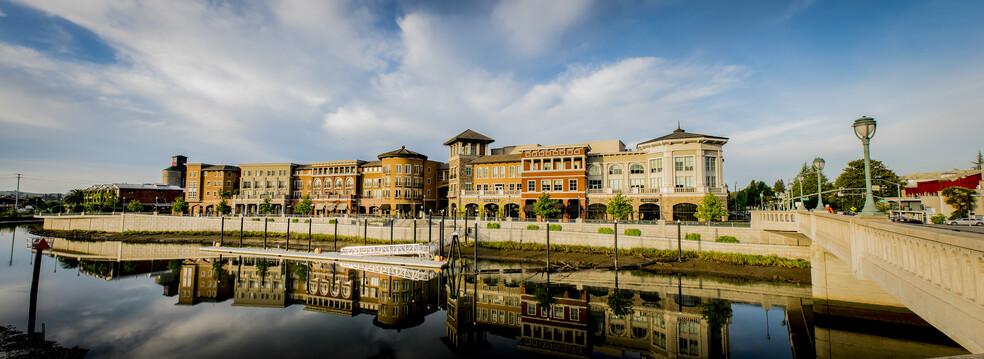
column 966, row 222
column 906, row 220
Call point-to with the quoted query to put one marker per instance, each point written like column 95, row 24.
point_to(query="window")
column 594, row 184
column 656, row 165
column 350, row 183
column 512, row 171
column 407, row 166
column 575, row 314
column 495, row 172
column 544, row 185
column 399, row 169
column 468, row 170
column 512, row 318
column 637, row 183
column 656, row 182
column 615, row 183
column 594, row 170
column 684, row 181
column 615, row 170
column 685, row 163
column 502, row 171
column 636, row 169
column 531, row 186
column 572, row 185
column 710, row 172
column 547, row 166
column 558, row 185
column 399, row 181
column 558, row 312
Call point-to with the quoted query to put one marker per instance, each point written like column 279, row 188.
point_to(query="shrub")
column 555, row 227
column 939, row 218
column 693, row 236
column 269, row 219
column 307, row 221
column 492, row 225
column 633, row 232
column 255, row 219
column 726, row 239
column 605, row 230
column 295, row 220
column 332, row 221
column 532, row 227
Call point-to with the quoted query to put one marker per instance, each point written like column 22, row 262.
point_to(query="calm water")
column 253, row 308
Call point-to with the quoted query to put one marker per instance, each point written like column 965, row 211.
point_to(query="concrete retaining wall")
column 753, row 241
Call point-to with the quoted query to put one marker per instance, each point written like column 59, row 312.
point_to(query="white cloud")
column 534, row 26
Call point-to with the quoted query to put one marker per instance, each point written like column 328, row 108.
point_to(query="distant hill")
column 46, row 196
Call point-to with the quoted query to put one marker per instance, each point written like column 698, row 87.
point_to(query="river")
column 257, row 307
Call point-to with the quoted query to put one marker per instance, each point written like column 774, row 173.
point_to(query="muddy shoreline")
column 559, row 260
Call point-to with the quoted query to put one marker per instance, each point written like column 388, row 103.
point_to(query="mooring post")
column 391, row 229
column 365, row 231
column 335, row 237
column 430, row 226
column 310, row 224
column 287, row 246
column 241, row 220
column 221, row 231
column 476, row 249
column 679, row 243
column 415, row 231
column 33, row 310
column 548, row 246
column 616, row 244
column 264, row 231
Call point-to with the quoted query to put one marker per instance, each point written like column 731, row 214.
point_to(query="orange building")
column 207, row 185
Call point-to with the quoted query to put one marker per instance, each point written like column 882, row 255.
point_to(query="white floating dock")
column 330, row 256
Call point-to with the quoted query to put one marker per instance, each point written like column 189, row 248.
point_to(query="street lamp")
column 799, row 179
column 818, row 164
column 864, row 129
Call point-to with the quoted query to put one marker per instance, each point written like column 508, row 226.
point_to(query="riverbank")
column 562, row 257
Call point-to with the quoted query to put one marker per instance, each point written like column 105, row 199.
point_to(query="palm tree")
column 75, row 196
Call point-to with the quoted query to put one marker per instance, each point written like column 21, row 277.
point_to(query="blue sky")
column 107, row 91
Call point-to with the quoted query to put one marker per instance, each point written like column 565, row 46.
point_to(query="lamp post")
column 800, row 180
column 864, row 129
column 818, row 164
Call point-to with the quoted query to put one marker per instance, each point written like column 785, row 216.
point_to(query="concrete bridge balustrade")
column 936, row 273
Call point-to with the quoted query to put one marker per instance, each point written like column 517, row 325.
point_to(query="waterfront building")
column 175, row 174
column 922, row 194
column 204, row 281
column 664, row 178
column 207, row 185
column 262, row 181
column 151, row 195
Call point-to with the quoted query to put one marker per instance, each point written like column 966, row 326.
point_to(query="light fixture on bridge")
column 864, row 128
column 799, row 179
column 818, row 164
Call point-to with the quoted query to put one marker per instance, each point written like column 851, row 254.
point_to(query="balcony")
column 491, row 193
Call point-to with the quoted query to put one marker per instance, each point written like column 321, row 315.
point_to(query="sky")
column 107, row 91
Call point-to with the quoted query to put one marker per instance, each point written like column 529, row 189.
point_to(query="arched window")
column 615, row 170
column 350, row 183
column 594, row 170
column 338, row 183
column 636, row 169
column 317, row 183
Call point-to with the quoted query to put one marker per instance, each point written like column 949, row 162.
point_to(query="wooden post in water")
column 616, row 244
column 287, row 246
column 548, row 246
column 33, row 310
column 414, row 231
column 221, row 230
column 430, row 226
column 335, row 245
column 241, row 220
column 264, row 231
column 465, row 226
column 365, row 231
column 679, row 243
column 476, row 250
column 391, row 229
column 310, row 224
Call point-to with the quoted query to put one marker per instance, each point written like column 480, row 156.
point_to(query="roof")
column 498, row 159
column 372, row 163
column 679, row 134
column 147, row 186
column 220, row 168
column 443, row 166
column 470, row 135
column 402, row 152
column 939, row 176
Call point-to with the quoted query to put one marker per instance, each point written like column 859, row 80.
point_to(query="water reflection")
column 204, row 307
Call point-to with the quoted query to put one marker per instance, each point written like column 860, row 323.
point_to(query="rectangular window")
column 407, row 171
column 558, row 312
column 495, row 172
column 637, row 183
column 531, row 186
column 594, row 184
column 512, row 171
column 468, row 170
column 544, row 185
column 615, row 183
column 572, row 185
column 684, row 181
column 575, row 314
column 685, row 163
column 558, row 185
column 530, row 308
column 656, row 165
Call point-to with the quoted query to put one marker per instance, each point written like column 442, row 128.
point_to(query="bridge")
column 936, row 273
column 422, row 250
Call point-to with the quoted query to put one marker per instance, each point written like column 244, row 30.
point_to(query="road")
column 972, row 229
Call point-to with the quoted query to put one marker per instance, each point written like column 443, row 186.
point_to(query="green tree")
column 809, row 182
column 778, row 187
column 74, row 197
column 620, row 302
column 179, row 205
column 223, row 207
column 619, row 207
column 502, row 212
column 304, row 207
column 134, row 206
column 853, row 177
column 266, row 207
column 961, row 199
column 980, row 161
column 710, row 209
column 546, row 207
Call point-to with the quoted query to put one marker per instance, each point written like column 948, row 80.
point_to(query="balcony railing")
column 495, row 192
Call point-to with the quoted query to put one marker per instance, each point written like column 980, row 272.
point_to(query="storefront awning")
column 559, row 205
column 329, row 206
column 342, row 206
column 384, row 207
column 319, row 206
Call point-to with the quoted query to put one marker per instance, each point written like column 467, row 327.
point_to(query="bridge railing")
column 775, row 220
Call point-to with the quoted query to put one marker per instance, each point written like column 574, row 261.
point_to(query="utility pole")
column 17, row 196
